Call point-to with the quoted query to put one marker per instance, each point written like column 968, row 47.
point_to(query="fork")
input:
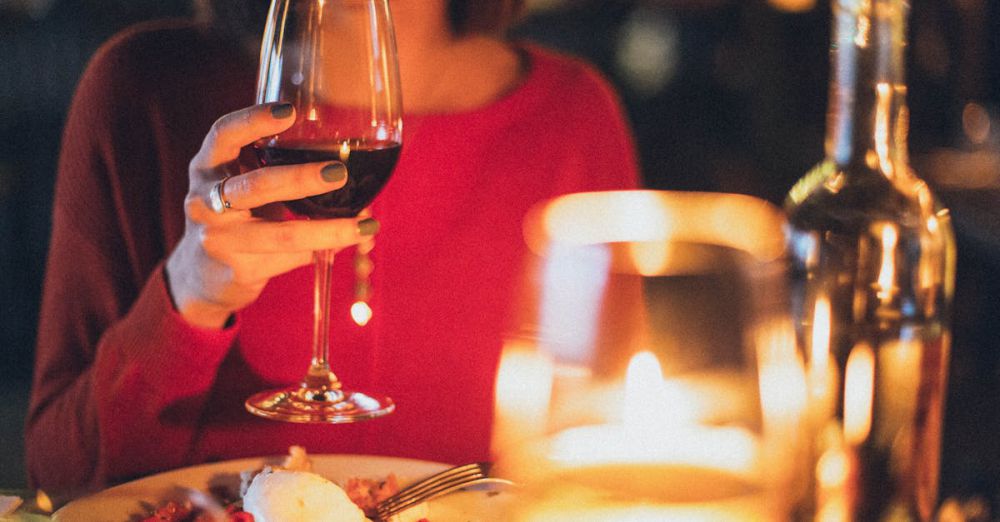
column 436, row 485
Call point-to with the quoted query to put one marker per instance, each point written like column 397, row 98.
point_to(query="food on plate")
column 367, row 493
column 296, row 460
column 292, row 492
column 283, row 496
column 174, row 511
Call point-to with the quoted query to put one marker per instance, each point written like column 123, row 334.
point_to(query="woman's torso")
column 447, row 260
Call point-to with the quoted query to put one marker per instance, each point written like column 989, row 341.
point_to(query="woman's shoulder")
column 147, row 46
column 175, row 68
column 578, row 86
column 153, row 34
column 147, row 56
column 551, row 66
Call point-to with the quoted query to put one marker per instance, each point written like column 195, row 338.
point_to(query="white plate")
column 122, row 503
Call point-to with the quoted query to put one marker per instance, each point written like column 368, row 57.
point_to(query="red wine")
column 369, row 166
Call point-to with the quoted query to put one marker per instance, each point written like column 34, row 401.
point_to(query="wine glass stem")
column 319, row 375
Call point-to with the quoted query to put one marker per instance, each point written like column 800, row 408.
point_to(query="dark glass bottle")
column 873, row 259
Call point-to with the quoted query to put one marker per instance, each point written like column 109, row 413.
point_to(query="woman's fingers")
column 296, row 236
column 263, row 186
column 222, row 145
column 222, row 265
column 256, row 269
column 231, row 132
column 283, row 183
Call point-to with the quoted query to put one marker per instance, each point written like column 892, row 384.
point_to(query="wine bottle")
column 872, row 261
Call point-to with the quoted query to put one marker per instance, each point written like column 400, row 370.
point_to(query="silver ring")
column 217, row 197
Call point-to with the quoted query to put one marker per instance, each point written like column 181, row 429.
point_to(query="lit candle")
column 859, row 390
column 823, row 374
column 783, row 388
column 835, row 469
column 690, row 447
column 658, row 426
column 658, row 463
column 345, row 151
column 837, row 466
column 886, row 284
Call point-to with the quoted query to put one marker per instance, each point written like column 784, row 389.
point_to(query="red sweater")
column 125, row 387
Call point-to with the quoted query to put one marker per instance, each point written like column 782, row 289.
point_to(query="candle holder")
column 654, row 374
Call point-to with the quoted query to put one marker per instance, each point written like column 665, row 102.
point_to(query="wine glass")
column 335, row 61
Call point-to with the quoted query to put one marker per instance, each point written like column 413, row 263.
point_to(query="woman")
column 160, row 316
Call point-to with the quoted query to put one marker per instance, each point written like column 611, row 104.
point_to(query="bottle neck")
column 868, row 118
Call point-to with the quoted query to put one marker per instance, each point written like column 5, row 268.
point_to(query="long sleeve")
column 120, row 378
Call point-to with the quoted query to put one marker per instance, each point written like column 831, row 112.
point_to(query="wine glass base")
column 318, row 406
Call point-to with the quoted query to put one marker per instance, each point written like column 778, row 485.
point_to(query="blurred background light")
column 648, row 51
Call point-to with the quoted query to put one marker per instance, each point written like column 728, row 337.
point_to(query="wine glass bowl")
column 335, row 62
column 373, row 163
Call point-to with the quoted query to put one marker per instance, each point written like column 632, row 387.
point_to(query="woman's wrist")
column 197, row 312
column 205, row 315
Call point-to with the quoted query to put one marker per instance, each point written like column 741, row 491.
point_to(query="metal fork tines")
column 436, row 485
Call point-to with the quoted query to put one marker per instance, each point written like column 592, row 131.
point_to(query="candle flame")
column 345, row 151
column 822, row 374
column 643, row 382
column 782, row 377
column 887, row 271
column 859, row 390
column 883, row 101
column 928, row 270
column 834, row 475
column 832, row 468
column 659, row 425
column 819, row 355
column 834, row 510
column 645, row 386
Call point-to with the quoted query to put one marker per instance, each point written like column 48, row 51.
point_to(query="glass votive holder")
column 654, row 374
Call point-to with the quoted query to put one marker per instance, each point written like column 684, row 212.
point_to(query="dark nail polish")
column 368, row 227
column 281, row 110
column 334, row 172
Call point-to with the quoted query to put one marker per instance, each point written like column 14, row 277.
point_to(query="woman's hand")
column 224, row 259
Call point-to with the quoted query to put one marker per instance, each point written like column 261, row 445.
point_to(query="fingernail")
column 368, row 227
column 334, row 172
column 281, row 110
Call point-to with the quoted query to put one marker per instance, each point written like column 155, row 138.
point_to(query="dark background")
column 723, row 96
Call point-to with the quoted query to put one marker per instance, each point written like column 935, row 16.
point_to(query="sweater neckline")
column 537, row 65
